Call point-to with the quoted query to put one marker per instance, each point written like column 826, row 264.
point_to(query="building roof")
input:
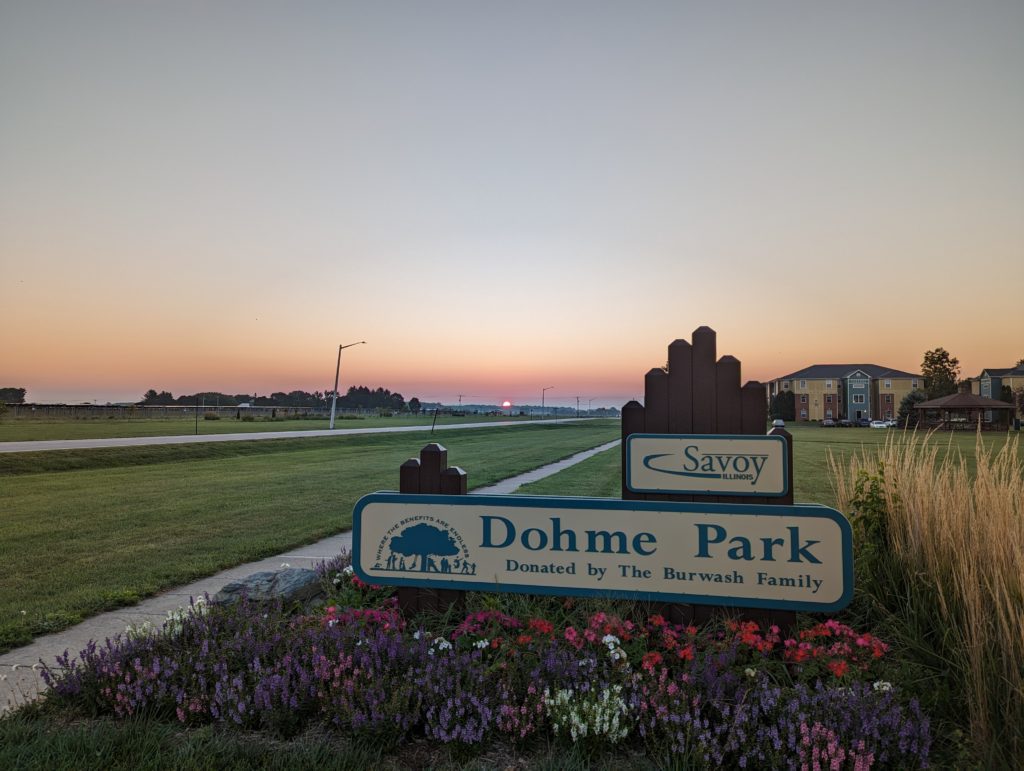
column 963, row 401
column 1001, row 371
column 839, row 371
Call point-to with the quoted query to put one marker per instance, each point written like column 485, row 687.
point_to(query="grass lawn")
column 88, row 530
column 600, row 476
column 29, row 430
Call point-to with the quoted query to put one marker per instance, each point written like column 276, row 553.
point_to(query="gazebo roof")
column 962, row 401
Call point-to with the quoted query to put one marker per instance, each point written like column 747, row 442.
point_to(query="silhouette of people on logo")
column 421, row 543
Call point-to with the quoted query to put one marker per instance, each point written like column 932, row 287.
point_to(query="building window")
column 785, row 385
column 888, row 414
column 888, row 384
column 858, row 398
column 803, row 384
column 828, row 413
column 888, row 398
column 828, row 384
column 803, row 414
column 858, row 385
column 913, row 383
column 803, row 398
column 828, row 398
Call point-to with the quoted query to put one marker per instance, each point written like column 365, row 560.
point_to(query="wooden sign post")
column 699, row 394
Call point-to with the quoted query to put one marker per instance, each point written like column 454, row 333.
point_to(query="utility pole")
column 542, row 392
column 577, row 406
column 337, row 371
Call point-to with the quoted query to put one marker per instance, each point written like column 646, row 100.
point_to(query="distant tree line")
column 12, row 395
column 358, row 397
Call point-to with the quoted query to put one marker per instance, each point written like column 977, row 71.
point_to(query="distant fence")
column 174, row 412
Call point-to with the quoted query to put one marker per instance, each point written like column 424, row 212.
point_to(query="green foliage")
column 1006, row 394
column 907, row 416
column 211, row 416
column 869, row 521
column 782, row 406
column 12, row 395
column 941, row 372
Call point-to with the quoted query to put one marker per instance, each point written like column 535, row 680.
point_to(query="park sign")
column 759, row 556
column 715, row 464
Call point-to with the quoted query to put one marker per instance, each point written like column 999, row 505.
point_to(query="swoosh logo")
column 649, row 459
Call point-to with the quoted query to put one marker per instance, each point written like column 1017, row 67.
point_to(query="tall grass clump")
column 940, row 555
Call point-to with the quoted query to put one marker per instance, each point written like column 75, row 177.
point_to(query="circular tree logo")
column 424, row 548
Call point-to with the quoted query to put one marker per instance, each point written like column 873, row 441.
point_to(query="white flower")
column 882, row 686
column 443, row 645
column 416, row 634
column 610, row 640
column 348, row 570
column 481, row 644
column 749, row 672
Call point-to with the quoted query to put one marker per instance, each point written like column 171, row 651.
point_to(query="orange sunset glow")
column 499, row 198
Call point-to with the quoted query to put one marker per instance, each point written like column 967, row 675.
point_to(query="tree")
column 12, row 395
column 151, row 397
column 415, row 406
column 1020, row 363
column 782, row 406
column 941, row 372
column 907, row 416
column 423, row 540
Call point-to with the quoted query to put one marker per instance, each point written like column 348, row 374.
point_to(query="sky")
column 500, row 197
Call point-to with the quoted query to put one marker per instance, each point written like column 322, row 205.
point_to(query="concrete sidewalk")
column 20, row 681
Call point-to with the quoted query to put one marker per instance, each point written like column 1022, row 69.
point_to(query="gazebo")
column 965, row 411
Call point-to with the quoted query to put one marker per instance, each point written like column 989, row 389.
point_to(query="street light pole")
column 337, row 372
column 542, row 392
column 589, row 411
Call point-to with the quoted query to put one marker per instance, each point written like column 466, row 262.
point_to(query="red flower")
column 686, row 652
column 838, row 668
column 650, row 660
column 540, row 626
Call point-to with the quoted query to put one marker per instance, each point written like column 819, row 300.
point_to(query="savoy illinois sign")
column 761, row 556
column 707, row 464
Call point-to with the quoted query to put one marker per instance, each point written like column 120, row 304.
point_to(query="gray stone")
column 290, row 586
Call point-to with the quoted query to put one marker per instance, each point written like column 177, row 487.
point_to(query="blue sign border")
column 812, row 510
column 705, row 491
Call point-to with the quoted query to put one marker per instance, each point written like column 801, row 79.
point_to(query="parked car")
column 879, row 424
column 863, row 422
column 892, row 423
column 844, row 423
column 828, row 423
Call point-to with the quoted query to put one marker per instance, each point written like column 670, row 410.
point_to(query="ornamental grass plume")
column 950, row 544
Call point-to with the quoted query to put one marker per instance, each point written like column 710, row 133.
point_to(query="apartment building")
column 991, row 381
column 852, row 391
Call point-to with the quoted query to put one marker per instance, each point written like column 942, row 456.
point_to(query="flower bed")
column 733, row 694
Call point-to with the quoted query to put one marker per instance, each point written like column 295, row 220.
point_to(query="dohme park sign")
column 786, row 557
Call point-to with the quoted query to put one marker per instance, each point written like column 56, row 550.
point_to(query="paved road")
column 142, row 441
